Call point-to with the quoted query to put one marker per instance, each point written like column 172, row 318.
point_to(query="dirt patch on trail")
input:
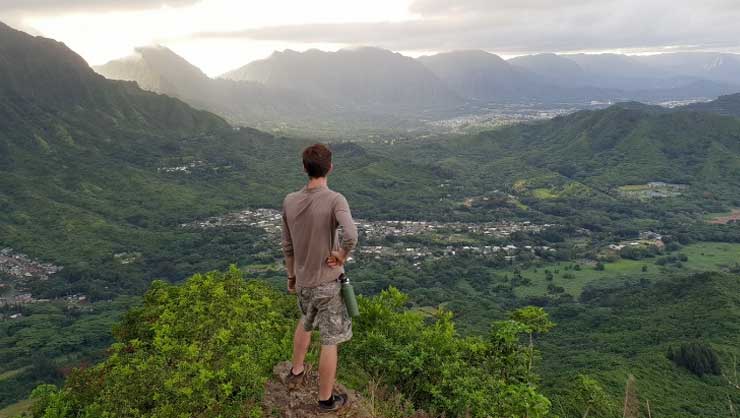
column 280, row 401
column 722, row 220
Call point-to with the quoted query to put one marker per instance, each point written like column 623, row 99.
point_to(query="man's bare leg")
column 327, row 371
column 301, row 342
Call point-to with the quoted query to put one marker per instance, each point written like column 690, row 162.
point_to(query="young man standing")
column 314, row 259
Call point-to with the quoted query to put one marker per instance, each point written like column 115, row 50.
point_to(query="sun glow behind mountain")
column 118, row 32
column 220, row 35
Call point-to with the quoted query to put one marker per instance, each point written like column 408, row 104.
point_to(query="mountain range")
column 361, row 88
column 93, row 171
column 363, row 77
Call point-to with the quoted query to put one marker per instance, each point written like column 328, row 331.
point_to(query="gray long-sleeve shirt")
column 310, row 221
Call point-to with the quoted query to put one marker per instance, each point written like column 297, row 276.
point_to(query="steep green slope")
column 619, row 146
column 618, row 332
column 92, row 167
column 724, row 105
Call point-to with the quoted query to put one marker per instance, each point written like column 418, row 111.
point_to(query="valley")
column 617, row 221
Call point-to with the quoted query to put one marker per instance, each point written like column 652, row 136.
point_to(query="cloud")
column 524, row 26
column 447, row 7
column 33, row 7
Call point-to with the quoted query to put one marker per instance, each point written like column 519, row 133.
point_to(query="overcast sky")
column 220, row 35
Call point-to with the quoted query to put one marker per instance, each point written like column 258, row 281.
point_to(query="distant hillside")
column 484, row 77
column 654, row 78
column 705, row 65
column 479, row 74
column 362, row 76
column 160, row 70
column 725, row 105
column 623, row 145
column 549, row 78
column 371, row 90
column 553, row 68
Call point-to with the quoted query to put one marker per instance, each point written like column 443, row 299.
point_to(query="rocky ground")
column 280, row 401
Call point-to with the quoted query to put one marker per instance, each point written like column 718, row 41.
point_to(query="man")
column 314, row 259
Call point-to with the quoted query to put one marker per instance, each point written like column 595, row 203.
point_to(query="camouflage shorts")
column 323, row 309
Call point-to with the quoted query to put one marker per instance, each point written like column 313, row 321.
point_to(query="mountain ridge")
column 363, row 75
column 357, row 90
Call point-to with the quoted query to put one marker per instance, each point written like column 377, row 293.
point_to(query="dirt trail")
column 279, row 401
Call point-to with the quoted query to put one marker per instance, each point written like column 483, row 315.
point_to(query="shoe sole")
column 299, row 381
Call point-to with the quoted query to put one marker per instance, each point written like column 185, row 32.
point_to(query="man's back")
column 310, row 221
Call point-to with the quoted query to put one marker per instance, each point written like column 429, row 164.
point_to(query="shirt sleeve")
column 287, row 244
column 344, row 219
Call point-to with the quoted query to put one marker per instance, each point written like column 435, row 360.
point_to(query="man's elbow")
column 349, row 242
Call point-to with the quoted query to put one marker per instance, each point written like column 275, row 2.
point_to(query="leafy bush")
column 204, row 348
column 440, row 371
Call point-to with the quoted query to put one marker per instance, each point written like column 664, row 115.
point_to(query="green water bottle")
column 348, row 294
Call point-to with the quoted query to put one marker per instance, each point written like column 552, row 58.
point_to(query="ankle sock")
column 328, row 402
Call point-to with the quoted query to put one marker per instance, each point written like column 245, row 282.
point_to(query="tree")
column 699, row 358
column 537, row 322
column 584, row 398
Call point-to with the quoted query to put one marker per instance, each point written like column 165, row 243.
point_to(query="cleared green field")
column 712, row 256
column 12, row 373
column 573, row 281
column 16, row 409
column 708, row 256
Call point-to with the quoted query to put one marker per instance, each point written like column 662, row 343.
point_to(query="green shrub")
column 440, row 371
column 204, row 348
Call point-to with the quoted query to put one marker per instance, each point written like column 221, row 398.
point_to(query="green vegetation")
column 16, row 409
column 574, row 276
column 699, row 358
column 92, row 169
column 207, row 347
column 629, row 329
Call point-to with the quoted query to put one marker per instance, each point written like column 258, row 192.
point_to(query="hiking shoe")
column 338, row 401
column 296, row 380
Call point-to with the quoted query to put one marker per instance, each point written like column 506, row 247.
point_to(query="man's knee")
column 329, row 350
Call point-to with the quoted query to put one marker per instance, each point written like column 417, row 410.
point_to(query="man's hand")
column 291, row 284
column 336, row 259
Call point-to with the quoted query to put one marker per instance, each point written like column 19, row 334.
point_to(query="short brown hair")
column 317, row 160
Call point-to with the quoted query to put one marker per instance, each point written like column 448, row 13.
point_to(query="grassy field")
column 16, row 409
column 573, row 281
column 706, row 256
column 12, row 373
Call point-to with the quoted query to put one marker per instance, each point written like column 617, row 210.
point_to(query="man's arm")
column 349, row 232
column 287, row 244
